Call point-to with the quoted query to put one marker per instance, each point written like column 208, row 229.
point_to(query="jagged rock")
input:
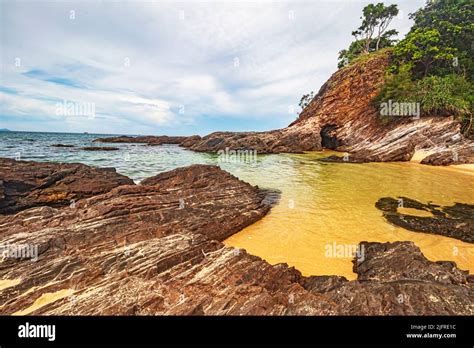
column 100, row 148
column 30, row 184
column 456, row 221
column 155, row 248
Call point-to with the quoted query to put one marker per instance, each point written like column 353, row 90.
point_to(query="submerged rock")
column 25, row 184
column 100, row 148
column 156, row 248
column 62, row 145
column 456, row 221
column 148, row 139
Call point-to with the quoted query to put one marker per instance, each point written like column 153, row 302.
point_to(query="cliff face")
column 342, row 117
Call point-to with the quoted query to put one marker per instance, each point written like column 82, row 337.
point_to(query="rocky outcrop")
column 283, row 140
column 30, row 184
column 456, row 221
column 342, row 117
column 148, row 139
column 396, row 279
column 156, row 248
column 461, row 154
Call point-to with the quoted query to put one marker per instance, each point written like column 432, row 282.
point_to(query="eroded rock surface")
column 25, row 184
column 156, row 248
column 456, row 221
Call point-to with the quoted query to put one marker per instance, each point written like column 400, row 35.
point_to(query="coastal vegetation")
column 432, row 65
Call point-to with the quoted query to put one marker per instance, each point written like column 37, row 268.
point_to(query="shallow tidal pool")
column 326, row 209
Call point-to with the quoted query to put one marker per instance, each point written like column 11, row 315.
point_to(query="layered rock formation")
column 29, row 184
column 156, row 248
column 342, row 117
column 291, row 139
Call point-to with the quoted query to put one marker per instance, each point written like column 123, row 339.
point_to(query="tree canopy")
column 373, row 33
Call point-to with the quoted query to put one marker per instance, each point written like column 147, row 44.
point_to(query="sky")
column 163, row 67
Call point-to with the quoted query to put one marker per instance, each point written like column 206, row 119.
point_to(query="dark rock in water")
column 62, row 145
column 30, row 184
column 100, row 148
column 148, row 139
column 455, row 221
column 156, row 249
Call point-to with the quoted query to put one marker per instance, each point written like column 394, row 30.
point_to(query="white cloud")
column 149, row 70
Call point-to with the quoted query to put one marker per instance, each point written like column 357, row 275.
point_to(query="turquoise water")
column 136, row 161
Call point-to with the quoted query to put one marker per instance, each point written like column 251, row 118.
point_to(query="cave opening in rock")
column 328, row 137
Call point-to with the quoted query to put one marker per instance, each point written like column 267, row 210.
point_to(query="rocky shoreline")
column 156, row 248
column 342, row 117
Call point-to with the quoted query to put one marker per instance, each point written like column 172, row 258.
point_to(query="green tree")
column 373, row 34
column 375, row 21
column 453, row 22
column 422, row 47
